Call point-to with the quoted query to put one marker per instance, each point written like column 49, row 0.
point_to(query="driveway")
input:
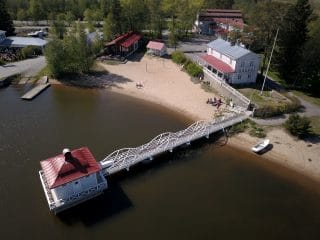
column 28, row 68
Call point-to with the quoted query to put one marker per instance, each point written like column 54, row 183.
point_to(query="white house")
column 230, row 63
column 71, row 178
column 156, row 48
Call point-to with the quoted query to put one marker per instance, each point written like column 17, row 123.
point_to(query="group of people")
column 215, row 102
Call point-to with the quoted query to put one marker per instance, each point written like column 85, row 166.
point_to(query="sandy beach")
column 164, row 83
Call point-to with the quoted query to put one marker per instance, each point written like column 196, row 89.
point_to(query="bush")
column 298, row 126
column 30, row 51
column 193, row 69
column 178, row 57
column 2, row 62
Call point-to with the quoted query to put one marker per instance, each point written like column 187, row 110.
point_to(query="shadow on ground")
column 96, row 80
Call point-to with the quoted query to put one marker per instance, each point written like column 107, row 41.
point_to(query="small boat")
column 260, row 146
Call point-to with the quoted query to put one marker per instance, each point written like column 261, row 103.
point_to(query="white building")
column 230, row 63
column 71, row 178
column 20, row 42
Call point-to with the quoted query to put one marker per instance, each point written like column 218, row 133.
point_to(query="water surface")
column 206, row 191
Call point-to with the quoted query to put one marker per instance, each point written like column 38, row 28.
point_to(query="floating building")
column 71, row 178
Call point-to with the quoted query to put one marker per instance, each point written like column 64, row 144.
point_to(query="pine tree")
column 5, row 20
column 293, row 35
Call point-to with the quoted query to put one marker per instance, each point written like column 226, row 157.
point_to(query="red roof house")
column 156, row 48
column 125, row 44
column 62, row 169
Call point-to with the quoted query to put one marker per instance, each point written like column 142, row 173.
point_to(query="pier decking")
column 43, row 84
column 127, row 157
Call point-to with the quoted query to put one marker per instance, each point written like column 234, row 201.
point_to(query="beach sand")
column 166, row 84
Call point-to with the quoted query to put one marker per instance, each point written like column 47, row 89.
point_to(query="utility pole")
column 265, row 76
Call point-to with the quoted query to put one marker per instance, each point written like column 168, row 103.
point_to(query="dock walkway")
column 42, row 85
column 127, row 157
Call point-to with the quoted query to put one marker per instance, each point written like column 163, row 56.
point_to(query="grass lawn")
column 307, row 98
column 315, row 123
column 269, row 98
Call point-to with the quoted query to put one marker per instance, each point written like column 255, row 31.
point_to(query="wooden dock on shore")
column 43, row 84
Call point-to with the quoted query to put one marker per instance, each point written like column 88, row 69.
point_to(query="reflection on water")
column 206, row 191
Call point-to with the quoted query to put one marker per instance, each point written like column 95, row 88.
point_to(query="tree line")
column 297, row 49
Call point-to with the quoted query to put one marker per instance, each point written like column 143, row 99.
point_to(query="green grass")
column 315, row 123
column 307, row 98
column 43, row 72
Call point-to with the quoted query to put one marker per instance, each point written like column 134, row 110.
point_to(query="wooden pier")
column 42, row 85
column 126, row 157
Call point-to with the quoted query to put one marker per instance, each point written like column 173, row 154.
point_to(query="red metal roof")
column 217, row 64
column 58, row 171
column 131, row 40
column 155, row 45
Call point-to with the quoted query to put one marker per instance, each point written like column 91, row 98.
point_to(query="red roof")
column 131, row 40
column 217, row 64
column 155, row 45
column 59, row 170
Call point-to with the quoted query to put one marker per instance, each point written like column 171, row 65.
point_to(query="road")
column 28, row 68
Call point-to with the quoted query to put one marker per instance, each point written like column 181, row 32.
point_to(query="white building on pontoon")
column 71, row 178
column 233, row 64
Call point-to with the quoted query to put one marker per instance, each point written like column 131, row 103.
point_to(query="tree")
column 109, row 28
column 310, row 67
column 293, row 35
column 5, row 20
column 70, row 55
column 265, row 20
column 298, row 126
column 36, row 11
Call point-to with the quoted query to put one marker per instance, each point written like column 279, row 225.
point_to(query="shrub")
column 193, row 69
column 178, row 57
column 2, row 62
column 298, row 126
column 257, row 132
column 30, row 51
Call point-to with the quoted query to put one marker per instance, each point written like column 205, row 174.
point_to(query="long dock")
column 44, row 83
column 126, row 157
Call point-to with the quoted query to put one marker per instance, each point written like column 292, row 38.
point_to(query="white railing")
column 227, row 86
column 126, row 157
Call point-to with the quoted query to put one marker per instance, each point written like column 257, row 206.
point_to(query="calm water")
column 207, row 191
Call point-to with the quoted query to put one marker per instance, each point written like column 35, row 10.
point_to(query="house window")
column 76, row 182
column 242, row 64
column 251, row 63
column 239, row 76
column 249, row 76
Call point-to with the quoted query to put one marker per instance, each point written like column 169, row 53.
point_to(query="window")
column 251, row 63
column 76, row 182
column 242, row 64
column 239, row 76
column 249, row 76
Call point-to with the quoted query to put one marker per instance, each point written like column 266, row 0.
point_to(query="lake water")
column 206, row 191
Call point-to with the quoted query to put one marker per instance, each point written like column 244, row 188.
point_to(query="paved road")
column 28, row 68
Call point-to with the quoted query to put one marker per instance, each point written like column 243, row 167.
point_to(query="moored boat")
column 260, row 146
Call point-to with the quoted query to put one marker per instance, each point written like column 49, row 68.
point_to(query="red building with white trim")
column 125, row 44
column 71, row 178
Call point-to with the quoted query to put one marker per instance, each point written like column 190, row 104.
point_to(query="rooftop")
column 62, row 169
column 224, row 47
column 155, row 45
column 217, row 64
column 23, row 42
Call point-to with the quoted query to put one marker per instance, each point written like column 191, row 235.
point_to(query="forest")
column 295, row 60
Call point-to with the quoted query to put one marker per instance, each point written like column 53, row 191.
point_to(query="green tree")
column 293, row 35
column 298, row 126
column 36, row 11
column 310, row 67
column 110, row 29
column 5, row 20
column 133, row 14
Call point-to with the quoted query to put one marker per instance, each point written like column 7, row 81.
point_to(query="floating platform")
column 44, row 83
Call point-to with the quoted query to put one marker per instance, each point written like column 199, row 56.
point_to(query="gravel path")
column 28, row 68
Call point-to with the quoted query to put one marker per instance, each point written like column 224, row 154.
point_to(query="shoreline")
column 161, row 87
